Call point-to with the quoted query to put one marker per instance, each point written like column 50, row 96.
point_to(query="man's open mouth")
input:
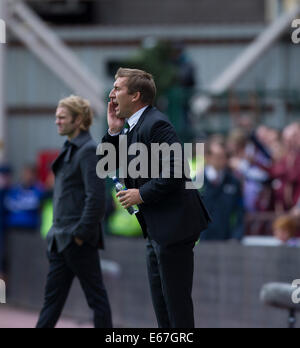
column 116, row 105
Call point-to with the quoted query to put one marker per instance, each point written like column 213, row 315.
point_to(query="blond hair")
column 79, row 107
column 139, row 81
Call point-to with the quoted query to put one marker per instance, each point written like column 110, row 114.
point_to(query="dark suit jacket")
column 170, row 213
column 79, row 195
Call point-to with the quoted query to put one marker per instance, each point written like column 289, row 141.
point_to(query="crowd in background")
column 253, row 172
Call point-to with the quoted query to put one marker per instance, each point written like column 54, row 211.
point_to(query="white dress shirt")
column 134, row 119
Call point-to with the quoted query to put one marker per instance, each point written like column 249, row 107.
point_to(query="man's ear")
column 136, row 97
column 79, row 120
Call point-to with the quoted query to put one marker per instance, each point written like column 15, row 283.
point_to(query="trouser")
column 2, row 249
column 171, row 271
column 84, row 263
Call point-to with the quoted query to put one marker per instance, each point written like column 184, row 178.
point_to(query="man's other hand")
column 129, row 198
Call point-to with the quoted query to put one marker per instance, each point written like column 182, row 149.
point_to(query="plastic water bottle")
column 119, row 187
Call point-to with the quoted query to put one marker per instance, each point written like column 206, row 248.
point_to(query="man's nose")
column 112, row 94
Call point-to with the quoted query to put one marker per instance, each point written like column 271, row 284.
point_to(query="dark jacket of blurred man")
column 223, row 197
column 79, row 207
column 171, row 217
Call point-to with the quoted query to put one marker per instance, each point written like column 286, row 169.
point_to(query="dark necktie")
column 126, row 128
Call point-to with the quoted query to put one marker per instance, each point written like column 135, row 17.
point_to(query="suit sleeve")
column 111, row 139
column 156, row 190
column 94, row 207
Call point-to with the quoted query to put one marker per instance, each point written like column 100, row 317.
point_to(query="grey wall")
column 116, row 12
column 228, row 279
column 31, row 84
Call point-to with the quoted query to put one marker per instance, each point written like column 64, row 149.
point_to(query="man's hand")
column 129, row 198
column 115, row 124
column 78, row 241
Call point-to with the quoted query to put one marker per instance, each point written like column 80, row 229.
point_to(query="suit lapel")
column 60, row 156
column 133, row 135
column 82, row 138
column 132, row 138
column 142, row 118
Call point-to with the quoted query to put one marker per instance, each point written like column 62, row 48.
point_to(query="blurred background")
column 227, row 74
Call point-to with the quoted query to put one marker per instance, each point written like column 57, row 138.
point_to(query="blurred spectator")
column 270, row 138
column 223, row 196
column 285, row 170
column 185, row 76
column 296, row 210
column 285, row 229
column 175, row 79
column 5, row 174
column 155, row 57
column 184, row 67
column 248, row 159
column 23, row 202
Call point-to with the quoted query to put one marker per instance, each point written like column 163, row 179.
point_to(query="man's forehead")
column 121, row 81
column 62, row 111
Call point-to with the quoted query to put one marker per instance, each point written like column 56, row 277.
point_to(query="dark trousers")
column 2, row 250
column 84, row 263
column 171, row 271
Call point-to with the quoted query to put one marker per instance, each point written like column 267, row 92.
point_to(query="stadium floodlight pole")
column 53, row 41
column 2, row 81
column 49, row 58
column 51, row 50
column 245, row 61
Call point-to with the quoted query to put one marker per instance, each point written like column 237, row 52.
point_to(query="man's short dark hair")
column 139, row 81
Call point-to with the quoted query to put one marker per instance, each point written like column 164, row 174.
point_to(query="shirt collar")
column 134, row 119
column 81, row 139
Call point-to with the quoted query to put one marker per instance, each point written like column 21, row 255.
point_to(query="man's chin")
column 120, row 116
column 61, row 133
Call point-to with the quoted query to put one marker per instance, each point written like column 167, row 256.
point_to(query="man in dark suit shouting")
column 171, row 216
column 79, row 207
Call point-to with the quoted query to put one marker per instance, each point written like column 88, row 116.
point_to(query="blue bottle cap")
column 115, row 179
